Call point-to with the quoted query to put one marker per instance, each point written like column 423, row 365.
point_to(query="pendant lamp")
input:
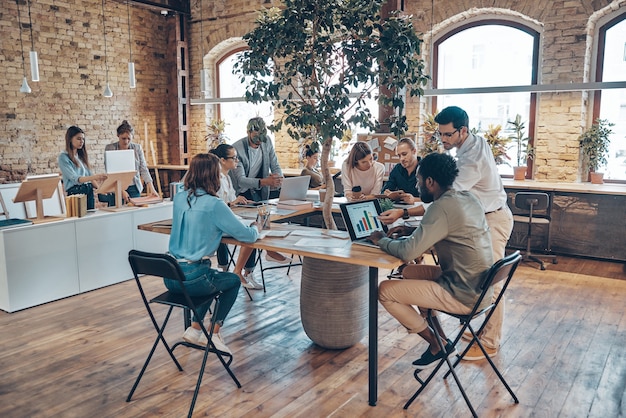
column 107, row 89
column 203, row 73
column 34, row 60
column 25, row 87
column 131, row 65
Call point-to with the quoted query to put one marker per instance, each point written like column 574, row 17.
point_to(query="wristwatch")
column 405, row 213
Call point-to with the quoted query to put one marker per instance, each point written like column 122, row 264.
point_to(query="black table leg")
column 373, row 337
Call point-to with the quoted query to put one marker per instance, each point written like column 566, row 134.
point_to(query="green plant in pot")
column 594, row 147
column 524, row 151
column 326, row 57
column 497, row 143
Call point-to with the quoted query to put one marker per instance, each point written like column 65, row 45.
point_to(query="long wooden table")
column 349, row 254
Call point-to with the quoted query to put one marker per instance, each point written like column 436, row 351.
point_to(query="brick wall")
column 68, row 38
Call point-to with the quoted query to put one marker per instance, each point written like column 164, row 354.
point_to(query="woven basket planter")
column 334, row 302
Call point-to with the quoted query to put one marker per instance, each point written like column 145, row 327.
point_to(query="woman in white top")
column 361, row 176
column 228, row 161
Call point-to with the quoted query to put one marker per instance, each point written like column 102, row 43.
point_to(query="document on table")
column 321, row 238
column 273, row 234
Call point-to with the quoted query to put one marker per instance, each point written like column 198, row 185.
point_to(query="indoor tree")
column 325, row 58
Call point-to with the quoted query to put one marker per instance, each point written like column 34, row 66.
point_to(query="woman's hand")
column 240, row 200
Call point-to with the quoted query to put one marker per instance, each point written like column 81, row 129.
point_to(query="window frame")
column 531, row 126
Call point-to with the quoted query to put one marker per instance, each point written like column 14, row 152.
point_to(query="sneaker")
column 217, row 341
column 222, row 267
column 195, row 336
column 249, row 278
column 475, row 353
column 428, row 359
column 284, row 260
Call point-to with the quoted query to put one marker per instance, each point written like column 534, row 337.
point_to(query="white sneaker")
column 249, row 278
column 195, row 336
column 219, row 343
column 222, row 267
column 285, row 260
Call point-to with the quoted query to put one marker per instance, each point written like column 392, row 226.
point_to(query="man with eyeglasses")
column 258, row 173
column 478, row 174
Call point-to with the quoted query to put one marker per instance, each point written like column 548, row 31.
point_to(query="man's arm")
column 392, row 215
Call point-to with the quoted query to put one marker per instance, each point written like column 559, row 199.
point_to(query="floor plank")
column 562, row 352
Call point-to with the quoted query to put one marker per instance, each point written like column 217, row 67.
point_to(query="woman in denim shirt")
column 200, row 219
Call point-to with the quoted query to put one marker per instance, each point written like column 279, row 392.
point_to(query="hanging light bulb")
column 107, row 90
column 131, row 65
column 25, row 87
column 34, row 61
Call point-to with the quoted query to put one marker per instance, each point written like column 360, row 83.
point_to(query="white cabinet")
column 49, row 261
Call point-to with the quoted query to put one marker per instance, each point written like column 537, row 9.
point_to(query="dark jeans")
column 109, row 198
column 223, row 258
column 202, row 280
column 86, row 189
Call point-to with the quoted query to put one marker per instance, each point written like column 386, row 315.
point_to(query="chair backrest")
column 502, row 269
column 154, row 264
column 532, row 201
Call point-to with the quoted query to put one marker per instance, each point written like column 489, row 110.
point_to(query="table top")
column 606, row 188
column 303, row 241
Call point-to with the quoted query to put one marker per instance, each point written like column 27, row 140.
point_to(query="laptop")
column 119, row 161
column 294, row 188
column 361, row 219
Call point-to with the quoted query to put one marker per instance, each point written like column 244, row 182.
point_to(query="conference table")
column 351, row 254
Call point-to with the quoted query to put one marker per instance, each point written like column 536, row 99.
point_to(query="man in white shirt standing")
column 478, row 174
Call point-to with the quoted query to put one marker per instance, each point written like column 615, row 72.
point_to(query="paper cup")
column 322, row 195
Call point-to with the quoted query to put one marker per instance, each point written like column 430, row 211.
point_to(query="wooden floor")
column 563, row 352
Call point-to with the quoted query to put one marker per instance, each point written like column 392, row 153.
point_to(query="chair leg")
column 154, row 346
column 446, row 359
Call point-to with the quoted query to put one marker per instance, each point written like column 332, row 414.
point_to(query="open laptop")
column 361, row 219
column 294, row 188
column 119, row 161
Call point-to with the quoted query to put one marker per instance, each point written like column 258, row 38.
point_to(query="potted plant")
column 594, row 146
column 524, row 151
column 318, row 52
column 216, row 135
column 429, row 141
column 497, row 143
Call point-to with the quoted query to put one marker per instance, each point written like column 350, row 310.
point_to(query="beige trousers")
column 417, row 288
column 500, row 225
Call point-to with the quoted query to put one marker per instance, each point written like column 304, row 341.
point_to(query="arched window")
column 489, row 53
column 611, row 104
column 238, row 113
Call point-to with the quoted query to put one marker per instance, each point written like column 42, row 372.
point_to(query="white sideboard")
column 49, row 261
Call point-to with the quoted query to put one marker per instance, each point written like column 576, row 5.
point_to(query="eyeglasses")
column 439, row 134
column 234, row 157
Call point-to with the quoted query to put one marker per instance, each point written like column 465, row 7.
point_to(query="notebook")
column 361, row 219
column 119, row 161
column 294, row 188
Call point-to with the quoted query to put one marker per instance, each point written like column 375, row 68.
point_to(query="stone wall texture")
column 68, row 36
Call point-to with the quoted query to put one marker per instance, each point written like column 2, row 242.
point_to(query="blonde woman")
column 361, row 176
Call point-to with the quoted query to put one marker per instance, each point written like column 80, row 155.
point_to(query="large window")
column 237, row 114
column 611, row 104
column 489, row 54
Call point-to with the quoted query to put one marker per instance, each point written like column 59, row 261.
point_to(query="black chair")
column 529, row 203
column 149, row 266
column 502, row 270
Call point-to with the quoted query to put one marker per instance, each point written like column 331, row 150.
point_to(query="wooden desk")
column 349, row 254
column 586, row 219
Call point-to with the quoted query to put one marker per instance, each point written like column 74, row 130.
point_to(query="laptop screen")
column 119, row 161
column 294, row 188
column 361, row 218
